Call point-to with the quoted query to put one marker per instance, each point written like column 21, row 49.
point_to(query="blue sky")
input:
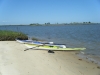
column 53, row 11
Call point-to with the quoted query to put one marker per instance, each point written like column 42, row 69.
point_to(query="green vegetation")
column 35, row 24
column 11, row 35
column 35, row 39
column 47, row 23
column 60, row 24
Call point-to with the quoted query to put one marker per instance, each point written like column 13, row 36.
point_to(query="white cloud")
column 5, row 21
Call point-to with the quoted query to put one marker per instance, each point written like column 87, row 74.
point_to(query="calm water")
column 73, row 36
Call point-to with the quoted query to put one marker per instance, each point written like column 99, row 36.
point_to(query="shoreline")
column 15, row 61
column 89, row 58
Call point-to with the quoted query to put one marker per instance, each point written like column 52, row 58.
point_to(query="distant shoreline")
column 53, row 24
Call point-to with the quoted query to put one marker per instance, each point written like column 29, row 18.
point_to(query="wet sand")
column 15, row 61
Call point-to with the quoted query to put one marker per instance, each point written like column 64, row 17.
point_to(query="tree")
column 47, row 23
column 89, row 22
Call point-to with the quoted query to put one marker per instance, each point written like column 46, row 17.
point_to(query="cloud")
column 5, row 21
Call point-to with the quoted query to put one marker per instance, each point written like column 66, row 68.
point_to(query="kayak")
column 29, row 41
column 24, row 41
column 51, row 47
column 37, row 42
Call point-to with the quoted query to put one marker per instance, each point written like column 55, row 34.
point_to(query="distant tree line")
column 34, row 24
column 72, row 23
column 86, row 22
column 47, row 23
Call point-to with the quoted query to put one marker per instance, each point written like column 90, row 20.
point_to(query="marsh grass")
column 33, row 38
column 11, row 35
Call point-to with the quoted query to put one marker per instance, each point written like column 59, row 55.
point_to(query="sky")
column 53, row 11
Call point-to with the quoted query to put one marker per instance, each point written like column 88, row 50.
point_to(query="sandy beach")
column 15, row 61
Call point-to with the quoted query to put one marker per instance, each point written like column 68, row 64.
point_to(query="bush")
column 11, row 35
column 33, row 38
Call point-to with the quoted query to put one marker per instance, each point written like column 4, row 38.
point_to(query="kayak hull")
column 48, row 47
column 24, row 41
column 28, row 41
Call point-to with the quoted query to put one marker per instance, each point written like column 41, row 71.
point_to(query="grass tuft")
column 6, row 35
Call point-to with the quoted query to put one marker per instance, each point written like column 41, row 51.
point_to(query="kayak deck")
column 51, row 47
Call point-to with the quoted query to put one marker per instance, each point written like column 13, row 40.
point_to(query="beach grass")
column 33, row 38
column 6, row 35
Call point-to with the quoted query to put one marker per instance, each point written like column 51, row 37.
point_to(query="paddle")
column 32, row 47
column 49, row 51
